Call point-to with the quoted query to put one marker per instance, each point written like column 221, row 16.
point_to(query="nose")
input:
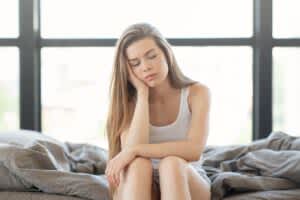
column 146, row 66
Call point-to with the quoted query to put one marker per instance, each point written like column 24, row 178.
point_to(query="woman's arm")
column 185, row 149
column 191, row 148
column 138, row 131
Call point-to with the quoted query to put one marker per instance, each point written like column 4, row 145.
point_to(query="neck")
column 161, row 93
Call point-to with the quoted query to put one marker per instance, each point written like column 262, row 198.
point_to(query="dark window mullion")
column 29, row 65
column 8, row 42
column 262, row 69
column 110, row 42
column 294, row 42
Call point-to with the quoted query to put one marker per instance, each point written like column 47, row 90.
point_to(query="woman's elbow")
column 196, row 154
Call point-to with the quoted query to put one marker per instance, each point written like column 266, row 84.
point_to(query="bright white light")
column 191, row 18
column 286, row 18
column 9, row 88
column 286, row 90
column 9, row 18
column 75, row 88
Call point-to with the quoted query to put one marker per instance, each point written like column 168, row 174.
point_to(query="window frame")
column 262, row 42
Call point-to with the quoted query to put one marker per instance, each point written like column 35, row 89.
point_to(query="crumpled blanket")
column 264, row 169
column 269, row 164
column 40, row 163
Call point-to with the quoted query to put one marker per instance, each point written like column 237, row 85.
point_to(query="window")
column 75, row 85
column 222, row 44
column 107, row 19
column 71, row 73
column 75, row 91
column 227, row 71
column 286, row 87
column 9, row 88
column 9, row 19
column 286, row 18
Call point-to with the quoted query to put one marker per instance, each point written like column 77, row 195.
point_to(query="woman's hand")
column 115, row 165
column 136, row 82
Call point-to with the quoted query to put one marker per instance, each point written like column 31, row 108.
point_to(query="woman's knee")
column 171, row 162
column 131, row 174
column 140, row 165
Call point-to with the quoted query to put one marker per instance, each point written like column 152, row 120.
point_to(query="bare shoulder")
column 199, row 93
column 198, row 89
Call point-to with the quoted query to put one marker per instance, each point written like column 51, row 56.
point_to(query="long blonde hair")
column 122, row 92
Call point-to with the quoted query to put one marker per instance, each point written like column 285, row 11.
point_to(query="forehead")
column 140, row 47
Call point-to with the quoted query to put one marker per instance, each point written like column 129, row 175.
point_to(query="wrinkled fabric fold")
column 269, row 164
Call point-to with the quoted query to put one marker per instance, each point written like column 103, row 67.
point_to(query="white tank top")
column 177, row 130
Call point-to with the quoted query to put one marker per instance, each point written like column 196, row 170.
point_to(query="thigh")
column 130, row 173
column 199, row 184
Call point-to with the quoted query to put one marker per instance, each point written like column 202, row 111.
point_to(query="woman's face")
column 146, row 58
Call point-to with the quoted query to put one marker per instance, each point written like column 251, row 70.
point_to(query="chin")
column 154, row 84
column 151, row 85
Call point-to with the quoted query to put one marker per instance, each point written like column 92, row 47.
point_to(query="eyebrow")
column 144, row 54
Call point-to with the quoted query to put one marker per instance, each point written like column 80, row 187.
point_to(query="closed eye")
column 152, row 57
column 135, row 64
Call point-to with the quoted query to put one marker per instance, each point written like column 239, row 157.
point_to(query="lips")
column 150, row 76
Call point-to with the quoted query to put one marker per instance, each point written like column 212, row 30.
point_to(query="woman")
column 157, row 123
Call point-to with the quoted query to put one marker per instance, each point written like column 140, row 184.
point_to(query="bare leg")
column 135, row 181
column 199, row 187
column 173, row 179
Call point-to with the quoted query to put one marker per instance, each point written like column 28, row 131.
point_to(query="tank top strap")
column 185, row 106
column 186, row 92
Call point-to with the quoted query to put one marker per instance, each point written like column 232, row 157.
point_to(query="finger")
column 110, row 180
column 109, row 175
column 118, row 178
column 120, row 174
column 114, row 177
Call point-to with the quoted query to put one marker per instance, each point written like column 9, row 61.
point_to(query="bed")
column 34, row 166
column 264, row 169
